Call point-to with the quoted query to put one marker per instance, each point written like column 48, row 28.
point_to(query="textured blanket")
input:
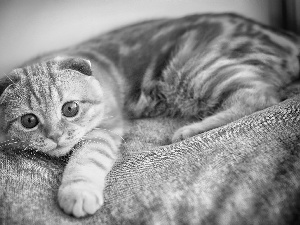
column 247, row 172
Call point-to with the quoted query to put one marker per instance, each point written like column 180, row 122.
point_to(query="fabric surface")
column 244, row 173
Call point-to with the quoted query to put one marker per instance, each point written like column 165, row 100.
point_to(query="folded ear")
column 78, row 64
column 6, row 82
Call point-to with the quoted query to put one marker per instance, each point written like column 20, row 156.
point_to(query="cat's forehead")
column 46, row 82
column 48, row 73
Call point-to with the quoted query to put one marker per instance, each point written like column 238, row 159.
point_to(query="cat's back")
column 166, row 30
column 152, row 30
column 152, row 43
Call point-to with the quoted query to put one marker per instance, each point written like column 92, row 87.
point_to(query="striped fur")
column 214, row 68
column 95, row 132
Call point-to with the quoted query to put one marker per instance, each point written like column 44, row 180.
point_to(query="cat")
column 212, row 68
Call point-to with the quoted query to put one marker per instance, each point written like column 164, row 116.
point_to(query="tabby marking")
column 214, row 68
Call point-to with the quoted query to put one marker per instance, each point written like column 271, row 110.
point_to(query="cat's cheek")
column 95, row 111
column 95, row 87
column 95, row 116
column 3, row 137
column 16, row 133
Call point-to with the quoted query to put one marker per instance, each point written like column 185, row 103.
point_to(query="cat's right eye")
column 29, row 121
column 70, row 109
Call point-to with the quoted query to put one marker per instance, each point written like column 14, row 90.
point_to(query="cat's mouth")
column 60, row 150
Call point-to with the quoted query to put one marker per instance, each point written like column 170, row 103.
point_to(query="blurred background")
column 32, row 27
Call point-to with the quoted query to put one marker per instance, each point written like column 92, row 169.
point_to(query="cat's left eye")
column 70, row 109
column 29, row 121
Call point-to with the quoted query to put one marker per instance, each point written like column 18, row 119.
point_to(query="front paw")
column 80, row 198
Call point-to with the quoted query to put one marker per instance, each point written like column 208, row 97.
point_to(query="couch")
column 247, row 172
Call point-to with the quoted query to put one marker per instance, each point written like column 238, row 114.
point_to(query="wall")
column 292, row 15
column 32, row 27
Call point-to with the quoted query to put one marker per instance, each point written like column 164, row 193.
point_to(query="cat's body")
column 217, row 68
column 163, row 57
column 190, row 66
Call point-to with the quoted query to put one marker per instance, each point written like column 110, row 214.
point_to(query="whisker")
column 111, row 132
column 3, row 142
column 108, row 117
column 9, row 78
column 9, row 143
column 9, row 140
column 29, row 146
column 15, row 141
column 131, row 153
column 85, row 136
column 20, row 144
column 100, row 138
column 26, row 147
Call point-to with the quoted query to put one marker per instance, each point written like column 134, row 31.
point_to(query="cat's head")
column 51, row 105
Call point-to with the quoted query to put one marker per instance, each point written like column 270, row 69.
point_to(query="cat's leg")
column 81, row 190
column 241, row 103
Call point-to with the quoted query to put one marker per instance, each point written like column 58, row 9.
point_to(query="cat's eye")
column 29, row 121
column 70, row 109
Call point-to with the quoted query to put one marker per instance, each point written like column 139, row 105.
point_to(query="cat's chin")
column 59, row 151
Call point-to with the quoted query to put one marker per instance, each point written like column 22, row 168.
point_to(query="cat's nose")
column 55, row 136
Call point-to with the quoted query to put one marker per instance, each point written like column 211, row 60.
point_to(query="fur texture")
column 213, row 69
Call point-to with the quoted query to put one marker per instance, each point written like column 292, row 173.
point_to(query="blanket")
column 247, row 172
